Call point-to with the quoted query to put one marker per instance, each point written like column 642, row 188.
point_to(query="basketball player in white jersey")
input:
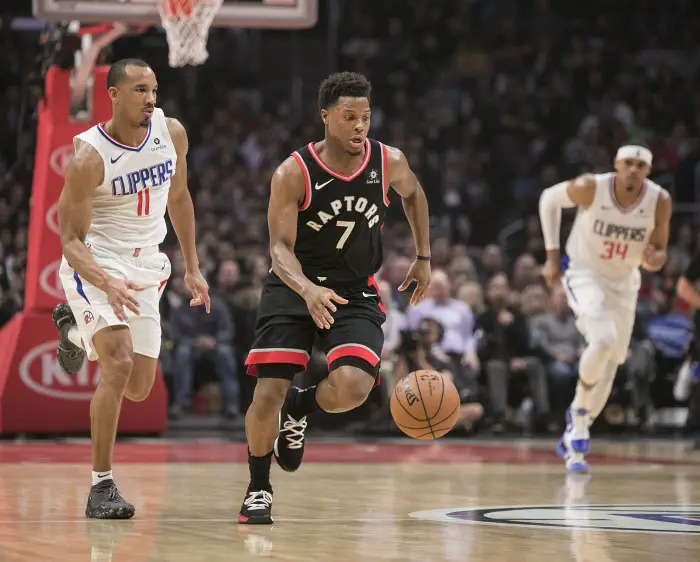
column 124, row 175
column 622, row 224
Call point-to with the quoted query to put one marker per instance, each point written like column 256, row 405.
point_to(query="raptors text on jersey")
column 128, row 208
column 340, row 219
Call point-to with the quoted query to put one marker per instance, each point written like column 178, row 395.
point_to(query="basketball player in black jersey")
column 325, row 214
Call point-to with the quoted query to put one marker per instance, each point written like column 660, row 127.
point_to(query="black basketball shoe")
column 289, row 444
column 70, row 356
column 105, row 502
column 256, row 508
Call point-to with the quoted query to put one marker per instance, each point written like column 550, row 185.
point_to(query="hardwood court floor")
column 358, row 502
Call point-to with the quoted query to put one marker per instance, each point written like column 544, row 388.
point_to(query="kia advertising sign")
column 50, row 281
column 40, row 371
column 60, row 157
column 36, row 396
column 52, row 218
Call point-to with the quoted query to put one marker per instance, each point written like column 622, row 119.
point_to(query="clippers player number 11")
column 622, row 223
column 327, row 206
column 124, row 175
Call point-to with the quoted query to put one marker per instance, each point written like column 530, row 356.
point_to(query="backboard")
column 286, row 14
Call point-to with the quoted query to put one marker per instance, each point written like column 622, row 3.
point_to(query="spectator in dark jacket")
column 506, row 351
column 196, row 335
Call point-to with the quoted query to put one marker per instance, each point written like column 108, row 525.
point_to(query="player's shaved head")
column 118, row 70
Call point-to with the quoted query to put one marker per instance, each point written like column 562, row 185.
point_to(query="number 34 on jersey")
column 612, row 250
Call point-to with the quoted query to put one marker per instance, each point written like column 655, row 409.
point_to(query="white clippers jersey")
column 609, row 240
column 128, row 209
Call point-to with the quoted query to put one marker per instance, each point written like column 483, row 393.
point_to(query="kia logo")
column 52, row 218
column 40, row 371
column 50, row 282
column 60, row 157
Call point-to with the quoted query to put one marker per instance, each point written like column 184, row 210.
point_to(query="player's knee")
column 138, row 389
column 602, row 334
column 353, row 386
column 604, row 343
column 117, row 366
column 269, row 397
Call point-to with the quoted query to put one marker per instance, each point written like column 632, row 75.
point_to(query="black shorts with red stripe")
column 285, row 331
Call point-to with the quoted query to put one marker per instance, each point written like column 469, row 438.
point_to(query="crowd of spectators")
column 491, row 101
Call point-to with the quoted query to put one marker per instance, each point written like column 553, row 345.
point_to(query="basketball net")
column 186, row 24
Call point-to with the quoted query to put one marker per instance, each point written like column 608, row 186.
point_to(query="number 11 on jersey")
column 144, row 205
column 614, row 250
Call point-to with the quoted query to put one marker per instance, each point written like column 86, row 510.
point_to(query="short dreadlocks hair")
column 350, row 84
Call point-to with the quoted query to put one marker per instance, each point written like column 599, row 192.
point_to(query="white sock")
column 74, row 337
column 98, row 477
column 579, row 419
column 601, row 391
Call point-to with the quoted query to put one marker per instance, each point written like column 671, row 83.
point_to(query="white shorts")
column 593, row 296
column 148, row 268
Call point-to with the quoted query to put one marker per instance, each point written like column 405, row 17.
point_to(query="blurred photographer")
column 420, row 350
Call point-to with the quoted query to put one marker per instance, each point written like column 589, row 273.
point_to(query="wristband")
column 424, row 258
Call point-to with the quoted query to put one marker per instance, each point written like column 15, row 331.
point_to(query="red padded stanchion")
column 54, row 149
column 35, row 395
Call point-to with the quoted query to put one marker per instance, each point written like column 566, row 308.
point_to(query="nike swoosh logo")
column 103, row 475
column 113, row 160
column 322, row 185
column 369, row 295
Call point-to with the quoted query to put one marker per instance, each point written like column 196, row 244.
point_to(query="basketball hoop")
column 186, row 24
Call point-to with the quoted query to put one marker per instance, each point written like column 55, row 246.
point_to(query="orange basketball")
column 425, row 405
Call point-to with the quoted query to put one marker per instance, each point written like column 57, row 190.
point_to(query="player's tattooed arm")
column 655, row 254
column 84, row 173
column 287, row 193
column 415, row 205
column 181, row 212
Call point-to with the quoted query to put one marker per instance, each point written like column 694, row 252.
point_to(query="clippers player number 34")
column 622, row 223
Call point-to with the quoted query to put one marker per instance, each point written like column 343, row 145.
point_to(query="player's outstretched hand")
column 118, row 296
column 199, row 288
column 319, row 301
column 420, row 273
column 551, row 271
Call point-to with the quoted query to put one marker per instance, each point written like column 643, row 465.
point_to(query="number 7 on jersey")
column 348, row 226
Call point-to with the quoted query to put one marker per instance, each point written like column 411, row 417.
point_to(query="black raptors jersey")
column 338, row 230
